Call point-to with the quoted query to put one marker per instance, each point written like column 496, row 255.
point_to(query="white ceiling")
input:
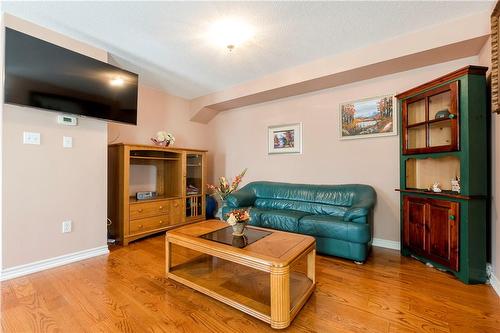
column 164, row 41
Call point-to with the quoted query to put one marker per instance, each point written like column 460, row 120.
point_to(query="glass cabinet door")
column 194, row 186
column 417, row 137
column 416, row 112
column 430, row 121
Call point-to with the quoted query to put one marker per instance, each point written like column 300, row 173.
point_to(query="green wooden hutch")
column 444, row 137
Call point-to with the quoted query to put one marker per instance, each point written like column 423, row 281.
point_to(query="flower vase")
column 239, row 241
column 218, row 215
column 239, row 228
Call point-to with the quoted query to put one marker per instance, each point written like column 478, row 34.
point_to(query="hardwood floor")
column 127, row 292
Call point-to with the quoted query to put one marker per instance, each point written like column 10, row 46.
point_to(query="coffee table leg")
column 168, row 256
column 311, row 266
column 280, row 297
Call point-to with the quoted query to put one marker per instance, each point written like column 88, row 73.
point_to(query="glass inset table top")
column 225, row 236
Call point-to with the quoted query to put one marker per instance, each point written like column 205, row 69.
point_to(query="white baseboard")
column 388, row 244
column 492, row 279
column 41, row 265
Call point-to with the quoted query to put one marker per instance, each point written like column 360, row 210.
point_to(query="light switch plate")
column 67, row 141
column 67, row 226
column 31, row 138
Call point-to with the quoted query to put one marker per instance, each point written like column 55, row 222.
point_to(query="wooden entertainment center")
column 177, row 175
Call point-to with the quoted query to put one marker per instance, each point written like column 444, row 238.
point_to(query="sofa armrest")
column 242, row 198
column 356, row 214
column 360, row 211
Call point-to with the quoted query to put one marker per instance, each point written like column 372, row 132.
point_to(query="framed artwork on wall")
column 285, row 139
column 367, row 118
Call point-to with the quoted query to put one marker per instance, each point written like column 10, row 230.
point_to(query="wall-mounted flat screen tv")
column 46, row 76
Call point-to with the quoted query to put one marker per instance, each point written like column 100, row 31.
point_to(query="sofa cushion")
column 337, row 195
column 286, row 220
column 334, row 227
column 303, row 206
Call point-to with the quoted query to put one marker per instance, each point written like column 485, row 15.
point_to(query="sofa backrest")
column 332, row 200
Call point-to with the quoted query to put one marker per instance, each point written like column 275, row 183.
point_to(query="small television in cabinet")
column 42, row 75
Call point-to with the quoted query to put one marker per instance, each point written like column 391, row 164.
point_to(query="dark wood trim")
column 404, row 130
column 455, row 109
column 427, row 128
column 438, row 149
column 417, row 124
column 442, row 194
column 429, row 122
column 448, row 77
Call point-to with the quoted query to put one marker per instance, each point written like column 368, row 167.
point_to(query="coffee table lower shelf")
column 273, row 294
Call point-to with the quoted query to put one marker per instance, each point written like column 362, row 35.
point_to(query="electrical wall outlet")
column 66, row 226
column 31, row 138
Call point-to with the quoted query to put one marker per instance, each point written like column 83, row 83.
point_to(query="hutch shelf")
column 444, row 138
column 176, row 175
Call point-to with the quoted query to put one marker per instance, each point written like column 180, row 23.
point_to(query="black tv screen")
column 46, row 76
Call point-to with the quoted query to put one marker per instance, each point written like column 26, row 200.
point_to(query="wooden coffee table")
column 270, row 279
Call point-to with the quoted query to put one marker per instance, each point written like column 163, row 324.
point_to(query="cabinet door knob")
column 452, row 116
column 452, row 217
column 140, row 210
column 161, row 207
column 161, row 222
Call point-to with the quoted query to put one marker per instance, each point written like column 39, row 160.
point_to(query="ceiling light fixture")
column 230, row 33
column 117, row 82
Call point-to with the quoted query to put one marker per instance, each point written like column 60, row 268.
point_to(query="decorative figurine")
column 163, row 138
column 455, row 185
column 436, row 188
column 442, row 114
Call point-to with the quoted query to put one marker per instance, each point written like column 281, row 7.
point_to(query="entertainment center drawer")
column 150, row 223
column 148, row 209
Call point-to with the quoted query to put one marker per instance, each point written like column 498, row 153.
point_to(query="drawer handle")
column 452, row 217
column 140, row 226
column 161, row 207
column 161, row 222
column 140, row 210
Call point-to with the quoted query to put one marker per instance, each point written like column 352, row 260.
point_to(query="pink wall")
column 241, row 141
column 160, row 111
column 46, row 184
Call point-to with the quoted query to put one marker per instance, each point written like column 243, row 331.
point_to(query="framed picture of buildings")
column 285, row 139
column 368, row 118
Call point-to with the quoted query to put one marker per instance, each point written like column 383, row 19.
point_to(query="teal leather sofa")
column 338, row 216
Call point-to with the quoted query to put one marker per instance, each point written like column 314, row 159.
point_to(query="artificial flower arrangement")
column 238, row 220
column 224, row 189
column 163, row 138
column 238, row 215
